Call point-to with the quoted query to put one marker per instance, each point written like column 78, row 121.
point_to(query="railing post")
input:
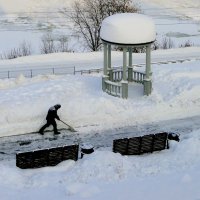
column 105, row 59
column 147, row 80
column 109, row 56
column 130, row 74
column 124, row 90
column 74, row 70
column 124, row 63
column 31, row 73
column 130, row 50
column 105, row 71
column 110, row 74
column 8, row 74
column 130, row 69
column 148, row 62
column 124, row 80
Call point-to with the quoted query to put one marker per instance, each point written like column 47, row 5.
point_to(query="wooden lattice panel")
column 160, row 141
column 147, row 143
column 120, row 146
column 46, row 157
column 134, row 146
column 70, row 152
column 55, row 156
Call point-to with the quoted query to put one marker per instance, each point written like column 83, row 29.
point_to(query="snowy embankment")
column 24, row 102
column 93, row 60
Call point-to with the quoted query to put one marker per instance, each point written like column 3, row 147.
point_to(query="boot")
column 41, row 132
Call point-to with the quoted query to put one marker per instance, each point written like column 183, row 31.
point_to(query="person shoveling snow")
column 51, row 116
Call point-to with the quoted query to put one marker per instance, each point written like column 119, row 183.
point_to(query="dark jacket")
column 52, row 113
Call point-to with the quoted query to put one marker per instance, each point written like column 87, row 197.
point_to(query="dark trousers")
column 50, row 122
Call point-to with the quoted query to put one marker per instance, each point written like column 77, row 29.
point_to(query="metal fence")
column 72, row 70
column 29, row 73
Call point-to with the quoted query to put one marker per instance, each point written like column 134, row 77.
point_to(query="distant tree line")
column 49, row 44
column 24, row 49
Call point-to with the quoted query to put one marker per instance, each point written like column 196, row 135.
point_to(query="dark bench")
column 46, row 157
column 142, row 144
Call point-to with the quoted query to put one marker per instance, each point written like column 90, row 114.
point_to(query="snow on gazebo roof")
column 128, row 29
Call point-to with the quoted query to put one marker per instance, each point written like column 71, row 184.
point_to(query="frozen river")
column 178, row 25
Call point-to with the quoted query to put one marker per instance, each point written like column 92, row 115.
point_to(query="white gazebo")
column 126, row 30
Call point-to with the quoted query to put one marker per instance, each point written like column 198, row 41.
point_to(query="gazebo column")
column 130, row 63
column 110, row 70
column 124, row 81
column 105, row 69
column 147, row 79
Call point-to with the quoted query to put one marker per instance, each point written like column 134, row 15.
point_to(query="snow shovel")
column 70, row 127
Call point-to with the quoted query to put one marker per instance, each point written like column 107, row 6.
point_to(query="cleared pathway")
column 9, row 146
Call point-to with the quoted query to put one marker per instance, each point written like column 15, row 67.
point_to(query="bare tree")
column 13, row 53
column 167, row 43
column 155, row 45
column 63, row 44
column 48, row 44
column 26, row 49
column 52, row 44
column 188, row 43
column 88, row 15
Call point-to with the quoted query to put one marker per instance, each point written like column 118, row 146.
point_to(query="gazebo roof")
column 128, row 29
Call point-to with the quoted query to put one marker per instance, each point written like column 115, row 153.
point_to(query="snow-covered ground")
column 170, row 174
column 93, row 60
column 175, row 95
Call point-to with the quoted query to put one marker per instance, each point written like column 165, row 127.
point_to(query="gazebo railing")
column 116, row 75
column 113, row 88
column 133, row 76
column 138, row 77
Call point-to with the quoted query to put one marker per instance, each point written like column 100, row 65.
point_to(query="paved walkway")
column 9, row 146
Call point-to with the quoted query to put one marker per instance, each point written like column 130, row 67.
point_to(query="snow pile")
column 172, row 173
column 128, row 28
column 114, row 168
